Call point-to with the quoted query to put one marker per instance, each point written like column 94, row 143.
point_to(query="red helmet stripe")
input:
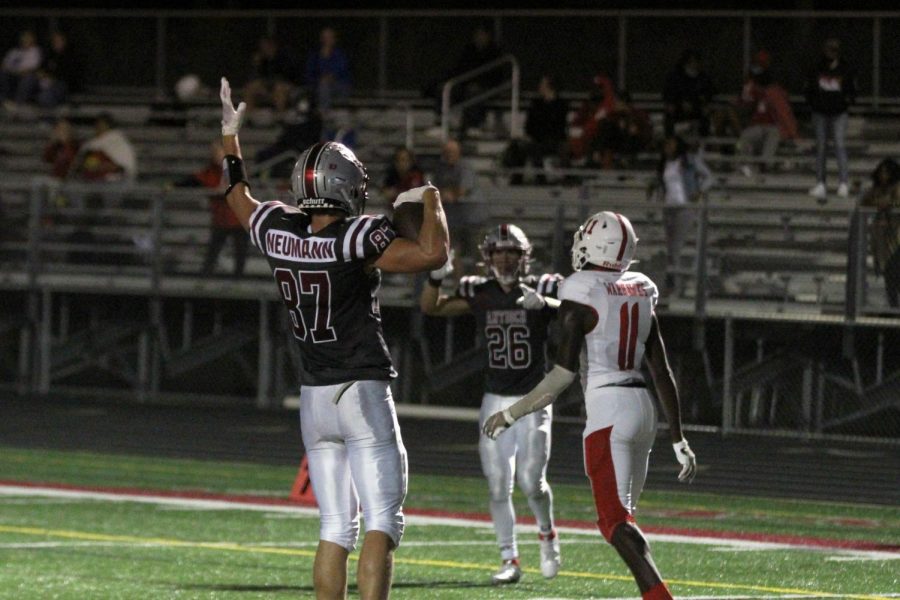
column 504, row 232
column 624, row 236
column 309, row 170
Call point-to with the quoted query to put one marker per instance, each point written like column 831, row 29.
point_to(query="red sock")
column 658, row 592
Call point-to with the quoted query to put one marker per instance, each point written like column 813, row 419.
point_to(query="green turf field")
column 71, row 546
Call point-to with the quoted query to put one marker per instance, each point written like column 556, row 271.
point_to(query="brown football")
column 408, row 219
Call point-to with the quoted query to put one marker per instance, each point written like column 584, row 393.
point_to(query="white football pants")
column 522, row 451
column 355, row 456
column 618, row 436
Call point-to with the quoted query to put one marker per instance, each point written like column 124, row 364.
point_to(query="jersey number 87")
column 314, row 283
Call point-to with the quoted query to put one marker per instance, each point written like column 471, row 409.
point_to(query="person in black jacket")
column 687, row 95
column 546, row 128
column 61, row 73
column 830, row 90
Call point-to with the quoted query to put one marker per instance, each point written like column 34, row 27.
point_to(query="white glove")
column 497, row 423
column 413, row 195
column 231, row 117
column 530, row 299
column 688, row 461
column 444, row 271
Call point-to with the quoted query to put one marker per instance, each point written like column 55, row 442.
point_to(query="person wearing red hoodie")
column 600, row 104
column 771, row 117
column 224, row 223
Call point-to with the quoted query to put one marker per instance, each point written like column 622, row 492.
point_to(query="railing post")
column 856, row 262
column 445, row 112
column 382, row 55
column 514, row 131
column 160, row 56
column 876, row 63
column 623, row 51
column 727, row 371
column 559, row 228
column 264, row 364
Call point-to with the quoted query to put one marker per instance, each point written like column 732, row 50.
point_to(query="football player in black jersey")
column 326, row 258
column 513, row 310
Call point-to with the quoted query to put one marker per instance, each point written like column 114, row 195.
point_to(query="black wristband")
column 233, row 172
column 434, row 282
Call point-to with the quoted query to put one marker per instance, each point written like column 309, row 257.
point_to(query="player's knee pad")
column 532, row 484
column 499, row 489
column 340, row 530
column 390, row 523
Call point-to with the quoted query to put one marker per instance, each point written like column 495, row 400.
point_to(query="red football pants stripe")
column 600, row 470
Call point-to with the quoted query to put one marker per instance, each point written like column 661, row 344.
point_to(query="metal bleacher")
column 762, row 250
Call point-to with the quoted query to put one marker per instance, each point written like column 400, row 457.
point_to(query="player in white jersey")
column 512, row 310
column 612, row 312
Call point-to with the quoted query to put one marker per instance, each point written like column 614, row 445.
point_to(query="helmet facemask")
column 507, row 265
column 507, row 270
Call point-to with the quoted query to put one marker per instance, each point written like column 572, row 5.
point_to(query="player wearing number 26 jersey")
column 326, row 258
column 513, row 310
column 611, row 312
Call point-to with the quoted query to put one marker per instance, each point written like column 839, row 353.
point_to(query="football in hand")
column 408, row 219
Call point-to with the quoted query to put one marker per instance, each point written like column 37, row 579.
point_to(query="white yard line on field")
column 224, row 504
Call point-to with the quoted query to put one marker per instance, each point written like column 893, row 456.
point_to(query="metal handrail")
column 514, row 97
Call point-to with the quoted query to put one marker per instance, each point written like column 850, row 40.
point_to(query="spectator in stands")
column 301, row 127
column 481, row 50
column 599, row 105
column 327, row 72
column 546, row 125
column 223, row 222
column 61, row 150
column 771, row 117
column 884, row 195
column 621, row 136
column 403, row 174
column 731, row 119
column 17, row 84
column 682, row 176
column 107, row 156
column 458, row 184
column 687, row 94
column 275, row 73
column 60, row 74
column 830, row 90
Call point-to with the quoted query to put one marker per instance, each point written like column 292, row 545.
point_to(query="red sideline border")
column 793, row 540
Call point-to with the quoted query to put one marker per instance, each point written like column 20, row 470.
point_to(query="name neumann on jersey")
column 288, row 246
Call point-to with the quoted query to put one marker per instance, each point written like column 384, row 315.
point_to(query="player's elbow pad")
column 551, row 386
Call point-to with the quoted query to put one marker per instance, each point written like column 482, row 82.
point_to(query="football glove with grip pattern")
column 686, row 458
column 232, row 117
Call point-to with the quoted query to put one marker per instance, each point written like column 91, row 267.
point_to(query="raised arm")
column 430, row 249
column 237, row 192
column 576, row 320
column 664, row 381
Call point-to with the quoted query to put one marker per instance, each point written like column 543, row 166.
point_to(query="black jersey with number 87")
column 329, row 292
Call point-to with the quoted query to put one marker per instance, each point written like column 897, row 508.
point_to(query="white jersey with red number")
column 624, row 303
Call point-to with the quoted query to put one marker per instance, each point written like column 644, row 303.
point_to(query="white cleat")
column 509, row 572
column 550, row 558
